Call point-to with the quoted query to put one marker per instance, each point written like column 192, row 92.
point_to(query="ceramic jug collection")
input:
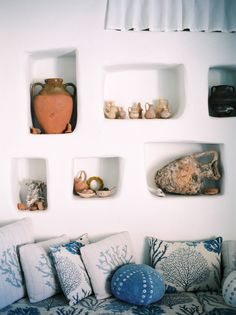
column 52, row 107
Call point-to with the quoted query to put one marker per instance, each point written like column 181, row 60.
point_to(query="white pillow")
column 102, row 258
column 12, row 287
column 40, row 275
column 71, row 272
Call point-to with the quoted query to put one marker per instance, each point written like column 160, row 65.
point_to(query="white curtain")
column 171, row 15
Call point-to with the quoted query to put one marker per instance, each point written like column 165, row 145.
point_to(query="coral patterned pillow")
column 102, row 258
column 71, row 271
column 188, row 266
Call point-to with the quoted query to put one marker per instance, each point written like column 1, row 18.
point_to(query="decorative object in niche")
column 80, row 182
column 150, row 112
column 53, row 106
column 163, row 110
column 110, row 110
column 187, row 175
column 222, row 101
column 135, row 111
column 95, row 183
column 93, row 186
column 36, row 198
column 159, row 110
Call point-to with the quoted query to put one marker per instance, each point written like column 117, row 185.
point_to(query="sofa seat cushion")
column 213, row 304
column 171, row 304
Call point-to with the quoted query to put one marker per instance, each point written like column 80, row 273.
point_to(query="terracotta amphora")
column 53, row 105
column 187, row 175
column 80, row 182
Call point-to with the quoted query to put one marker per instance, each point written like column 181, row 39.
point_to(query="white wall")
column 31, row 26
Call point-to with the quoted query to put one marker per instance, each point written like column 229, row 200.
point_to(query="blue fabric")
column 137, row 284
column 229, row 289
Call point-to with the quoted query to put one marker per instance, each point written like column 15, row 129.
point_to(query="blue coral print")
column 24, row 311
column 10, row 267
column 214, row 245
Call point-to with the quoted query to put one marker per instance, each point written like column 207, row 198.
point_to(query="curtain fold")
column 171, row 15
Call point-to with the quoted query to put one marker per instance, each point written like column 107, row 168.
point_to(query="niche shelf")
column 158, row 155
column 25, row 170
column 57, row 63
column 106, row 168
column 127, row 84
column 222, row 75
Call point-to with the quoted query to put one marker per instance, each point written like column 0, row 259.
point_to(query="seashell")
column 186, row 175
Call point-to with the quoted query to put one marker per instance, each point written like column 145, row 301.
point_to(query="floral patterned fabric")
column 171, row 304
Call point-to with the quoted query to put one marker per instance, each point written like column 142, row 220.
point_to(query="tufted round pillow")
column 137, row 284
column 229, row 289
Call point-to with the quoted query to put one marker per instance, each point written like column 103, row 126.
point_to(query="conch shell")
column 186, row 175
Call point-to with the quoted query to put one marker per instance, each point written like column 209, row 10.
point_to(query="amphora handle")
column 33, row 86
column 210, row 169
column 73, row 87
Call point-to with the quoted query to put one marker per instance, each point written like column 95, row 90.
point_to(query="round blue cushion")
column 137, row 284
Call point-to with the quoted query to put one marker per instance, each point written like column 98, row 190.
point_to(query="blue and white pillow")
column 228, row 258
column 12, row 287
column 102, row 258
column 71, row 272
column 188, row 266
column 40, row 274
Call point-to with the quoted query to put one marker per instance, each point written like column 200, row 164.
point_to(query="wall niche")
column 29, row 182
column 100, row 177
column 126, row 85
column 58, row 63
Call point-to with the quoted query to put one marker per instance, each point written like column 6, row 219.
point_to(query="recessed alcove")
column 25, row 170
column 222, row 75
column 57, row 63
column 127, row 84
column 159, row 154
column 106, row 168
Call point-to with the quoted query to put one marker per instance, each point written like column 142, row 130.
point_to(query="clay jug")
column 150, row 111
column 186, row 175
column 80, row 182
column 53, row 105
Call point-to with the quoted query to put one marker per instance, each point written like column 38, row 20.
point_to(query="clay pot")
column 187, row 175
column 222, row 102
column 80, row 182
column 150, row 111
column 53, row 105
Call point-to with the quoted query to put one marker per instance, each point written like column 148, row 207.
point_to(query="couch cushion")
column 229, row 289
column 137, row 284
column 188, row 266
column 71, row 271
column 228, row 257
column 12, row 287
column 102, row 258
column 40, row 275
column 171, row 304
column 213, row 304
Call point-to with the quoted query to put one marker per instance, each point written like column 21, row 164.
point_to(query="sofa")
column 201, row 295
